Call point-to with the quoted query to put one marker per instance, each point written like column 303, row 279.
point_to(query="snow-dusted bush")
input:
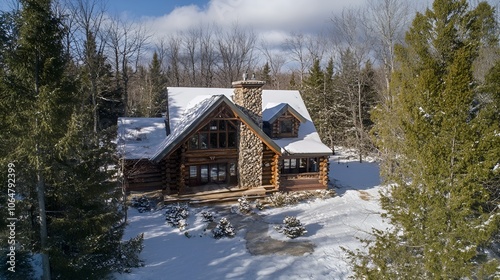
column 280, row 199
column 223, row 229
column 244, row 205
column 176, row 215
column 208, row 216
column 142, row 204
column 129, row 254
column 259, row 205
column 292, row 227
column 324, row 194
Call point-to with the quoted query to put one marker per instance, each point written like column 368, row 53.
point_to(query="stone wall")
column 248, row 96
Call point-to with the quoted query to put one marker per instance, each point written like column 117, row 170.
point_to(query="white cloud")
column 274, row 17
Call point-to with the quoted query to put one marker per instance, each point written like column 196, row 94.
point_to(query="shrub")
column 223, row 229
column 293, row 228
column 207, row 216
column 142, row 204
column 129, row 254
column 244, row 205
column 176, row 215
column 280, row 199
column 259, row 205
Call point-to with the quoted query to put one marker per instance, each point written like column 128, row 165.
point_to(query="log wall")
column 269, row 170
column 275, row 126
column 142, row 175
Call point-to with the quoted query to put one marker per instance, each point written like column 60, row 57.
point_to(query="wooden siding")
column 142, row 175
column 275, row 126
column 307, row 181
column 270, row 172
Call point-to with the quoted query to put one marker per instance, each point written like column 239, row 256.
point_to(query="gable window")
column 286, row 126
column 218, row 134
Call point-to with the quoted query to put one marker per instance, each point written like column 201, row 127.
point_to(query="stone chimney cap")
column 248, row 84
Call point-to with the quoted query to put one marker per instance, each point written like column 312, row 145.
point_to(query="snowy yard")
column 331, row 224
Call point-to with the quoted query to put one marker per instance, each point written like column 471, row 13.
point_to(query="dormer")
column 281, row 121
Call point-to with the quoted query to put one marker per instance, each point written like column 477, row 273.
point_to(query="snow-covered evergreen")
column 292, row 228
column 223, row 229
column 176, row 215
column 244, row 205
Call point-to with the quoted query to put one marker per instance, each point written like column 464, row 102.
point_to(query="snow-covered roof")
column 139, row 137
column 273, row 111
column 188, row 105
column 196, row 110
column 308, row 141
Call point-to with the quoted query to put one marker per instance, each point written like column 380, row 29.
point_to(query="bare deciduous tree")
column 235, row 48
column 126, row 42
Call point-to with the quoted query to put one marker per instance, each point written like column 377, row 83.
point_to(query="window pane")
column 203, row 140
column 213, row 125
column 313, row 165
column 286, row 166
column 231, row 140
column 286, row 126
column 230, row 126
column 293, row 163
column 222, row 125
column 222, row 140
column 222, row 172
column 193, row 142
column 193, row 172
column 303, row 165
column 213, row 173
column 232, row 169
column 213, row 141
column 204, row 173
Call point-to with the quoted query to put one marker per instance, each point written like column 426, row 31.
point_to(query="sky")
column 264, row 16
column 272, row 20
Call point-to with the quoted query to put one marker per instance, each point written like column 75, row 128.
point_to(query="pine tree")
column 292, row 84
column 158, row 86
column 67, row 208
column 445, row 150
column 314, row 89
column 266, row 75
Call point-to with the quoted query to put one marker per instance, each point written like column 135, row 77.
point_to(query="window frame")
column 217, row 134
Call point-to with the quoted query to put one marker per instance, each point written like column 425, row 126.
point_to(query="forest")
column 418, row 88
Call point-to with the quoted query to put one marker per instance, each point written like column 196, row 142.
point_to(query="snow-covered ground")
column 331, row 224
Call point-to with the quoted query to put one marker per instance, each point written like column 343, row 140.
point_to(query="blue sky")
column 151, row 8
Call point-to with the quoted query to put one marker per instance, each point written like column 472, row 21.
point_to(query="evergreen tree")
column 266, row 75
column 67, row 209
column 157, row 87
column 445, row 150
column 292, row 84
column 314, row 89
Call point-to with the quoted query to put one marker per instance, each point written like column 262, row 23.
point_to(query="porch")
column 212, row 193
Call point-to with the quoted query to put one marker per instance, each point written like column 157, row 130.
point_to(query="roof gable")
column 196, row 111
column 273, row 111
column 307, row 141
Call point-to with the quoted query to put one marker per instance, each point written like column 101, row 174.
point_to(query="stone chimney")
column 248, row 97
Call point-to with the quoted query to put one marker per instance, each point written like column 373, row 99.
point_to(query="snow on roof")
column 195, row 109
column 181, row 98
column 139, row 137
column 273, row 111
column 308, row 140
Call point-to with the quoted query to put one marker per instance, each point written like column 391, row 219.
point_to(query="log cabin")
column 231, row 141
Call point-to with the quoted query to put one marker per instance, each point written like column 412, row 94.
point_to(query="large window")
column 299, row 165
column 218, row 134
column 216, row 173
